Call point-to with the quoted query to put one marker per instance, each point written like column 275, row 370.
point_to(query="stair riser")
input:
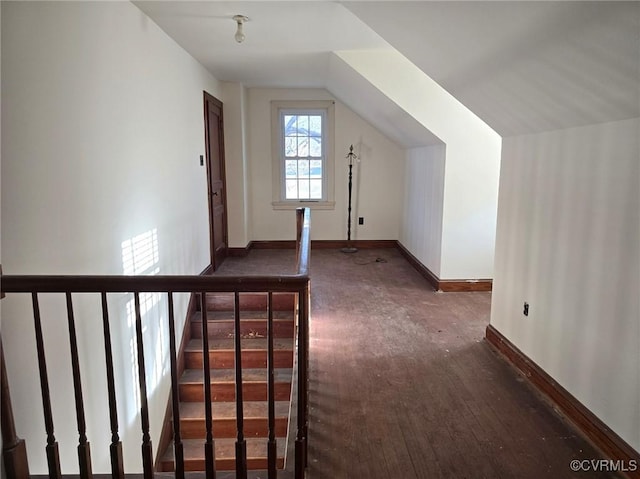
column 226, row 392
column 221, row 464
column 221, row 329
column 250, row 302
column 226, row 359
column 253, row 329
column 253, row 427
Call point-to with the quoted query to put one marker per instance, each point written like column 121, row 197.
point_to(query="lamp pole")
column 349, row 248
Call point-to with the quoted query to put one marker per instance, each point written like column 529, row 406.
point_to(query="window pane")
column 290, row 146
column 303, row 125
column 290, row 125
column 315, row 147
column 303, row 146
column 315, row 192
column 303, row 168
column 315, row 169
column 303, row 189
column 291, row 189
column 303, row 155
column 291, row 168
column 315, row 125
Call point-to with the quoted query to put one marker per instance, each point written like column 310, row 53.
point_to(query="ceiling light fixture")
column 240, row 19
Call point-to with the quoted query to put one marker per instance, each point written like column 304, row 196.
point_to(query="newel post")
column 14, row 449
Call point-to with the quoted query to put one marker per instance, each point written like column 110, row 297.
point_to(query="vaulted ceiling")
column 522, row 67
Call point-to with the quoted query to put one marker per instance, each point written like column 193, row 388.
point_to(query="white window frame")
column 278, row 109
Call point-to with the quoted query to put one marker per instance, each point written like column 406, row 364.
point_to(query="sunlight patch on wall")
column 141, row 256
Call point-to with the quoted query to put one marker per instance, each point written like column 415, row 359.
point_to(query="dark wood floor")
column 403, row 385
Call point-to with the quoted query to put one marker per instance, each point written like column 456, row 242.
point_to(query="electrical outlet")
column 525, row 309
column 361, row 220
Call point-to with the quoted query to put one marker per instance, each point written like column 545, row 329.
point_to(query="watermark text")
column 604, row 465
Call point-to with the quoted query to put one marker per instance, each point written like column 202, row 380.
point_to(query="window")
column 303, row 152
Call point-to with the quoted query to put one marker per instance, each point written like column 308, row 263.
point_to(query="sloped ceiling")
column 523, row 67
column 367, row 101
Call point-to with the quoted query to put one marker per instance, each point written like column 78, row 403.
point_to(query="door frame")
column 208, row 98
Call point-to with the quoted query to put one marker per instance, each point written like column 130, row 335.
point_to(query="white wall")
column 568, row 244
column 103, row 129
column 423, row 205
column 472, row 159
column 236, row 168
column 377, row 179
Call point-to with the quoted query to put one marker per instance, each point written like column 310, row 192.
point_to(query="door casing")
column 216, row 180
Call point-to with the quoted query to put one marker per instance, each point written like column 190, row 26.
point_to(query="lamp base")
column 349, row 249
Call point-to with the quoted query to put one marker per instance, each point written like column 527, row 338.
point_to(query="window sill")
column 314, row 205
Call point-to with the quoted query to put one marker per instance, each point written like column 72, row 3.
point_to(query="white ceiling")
column 288, row 44
column 521, row 66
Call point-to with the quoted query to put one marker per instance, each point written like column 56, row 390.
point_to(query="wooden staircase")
column 220, row 309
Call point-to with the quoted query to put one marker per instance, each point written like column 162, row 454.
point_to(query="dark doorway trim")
column 217, row 254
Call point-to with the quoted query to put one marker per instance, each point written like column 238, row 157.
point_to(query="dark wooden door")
column 216, row 186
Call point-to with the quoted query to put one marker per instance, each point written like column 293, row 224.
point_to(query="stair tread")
column 227, row 410
column 226, row 315
column 254, row 342
column 247, row 343
column 224, row 328
column 228, row 375
column 250, row 301
column 225, row 449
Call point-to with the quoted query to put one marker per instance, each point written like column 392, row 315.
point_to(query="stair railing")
column 14, row 450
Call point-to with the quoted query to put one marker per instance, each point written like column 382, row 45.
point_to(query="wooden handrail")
column 303, row 248
column 150, row 284
column 303, row 241
column 297, row 283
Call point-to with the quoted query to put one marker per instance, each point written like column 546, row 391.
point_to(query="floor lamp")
column 351, row 156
